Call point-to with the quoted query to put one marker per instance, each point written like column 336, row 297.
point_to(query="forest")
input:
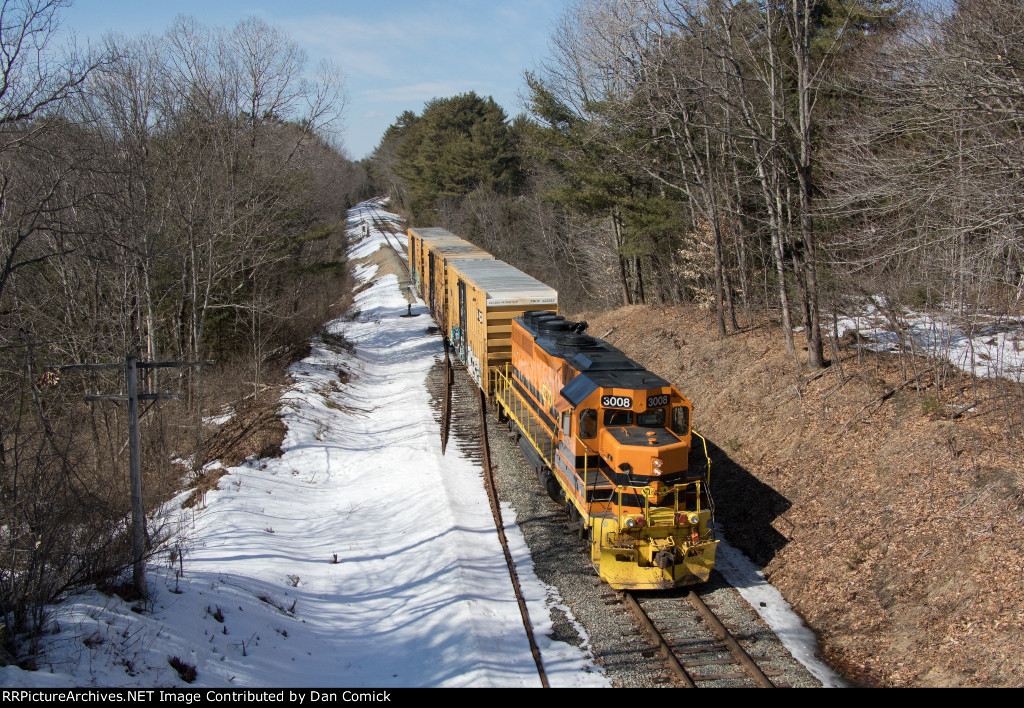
column 788, row 159
column 175, row 197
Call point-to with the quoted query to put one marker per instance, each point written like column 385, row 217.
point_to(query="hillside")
column 895, row 533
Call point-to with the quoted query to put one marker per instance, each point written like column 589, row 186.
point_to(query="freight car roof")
column 433, row 233
column 453, row 247
column 503, row 282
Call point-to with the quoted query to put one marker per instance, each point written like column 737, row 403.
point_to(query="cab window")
column 652, row 418
column 588, row 423
column 617, row 419
column 681, row 420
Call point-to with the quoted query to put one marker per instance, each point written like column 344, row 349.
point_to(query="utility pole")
column 131, row 367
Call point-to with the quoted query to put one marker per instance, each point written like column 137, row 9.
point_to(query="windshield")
column 618, row 419
column 652, row 418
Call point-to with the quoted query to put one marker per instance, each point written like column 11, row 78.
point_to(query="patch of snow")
column 768, row 602
column 989, row 347
column 219, row 419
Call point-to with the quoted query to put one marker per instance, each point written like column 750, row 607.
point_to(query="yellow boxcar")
column 483, row 297
column 419, row 238
column 440, row 256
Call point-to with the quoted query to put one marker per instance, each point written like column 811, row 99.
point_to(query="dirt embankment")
column 896, row 533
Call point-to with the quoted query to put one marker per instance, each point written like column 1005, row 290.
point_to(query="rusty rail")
column 726, row 636
column 492, row 495
column 742, row 659
column 663, row 646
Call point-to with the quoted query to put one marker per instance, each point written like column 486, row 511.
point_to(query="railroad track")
column 698, row 648
column 387, row 227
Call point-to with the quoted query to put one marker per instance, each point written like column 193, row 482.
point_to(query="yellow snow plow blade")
column 648, row 562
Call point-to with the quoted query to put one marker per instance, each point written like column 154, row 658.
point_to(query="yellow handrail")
column 518, row 410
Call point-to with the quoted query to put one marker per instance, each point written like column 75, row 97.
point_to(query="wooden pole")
column 131, row 367
column 135, row 471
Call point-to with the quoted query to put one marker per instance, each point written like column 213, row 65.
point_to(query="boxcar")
column 483, row 297
column 441, row 258
column 419, row 239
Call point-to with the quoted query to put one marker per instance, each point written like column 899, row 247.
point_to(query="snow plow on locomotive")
column 608, row 439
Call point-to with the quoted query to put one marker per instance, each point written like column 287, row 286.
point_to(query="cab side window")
column 681, row 420
column 588, row 423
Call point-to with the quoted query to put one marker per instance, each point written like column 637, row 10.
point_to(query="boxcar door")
column 412, row 263
column 429, row 285
column 462, row 346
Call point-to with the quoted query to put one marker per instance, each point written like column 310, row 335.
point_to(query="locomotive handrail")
column 706, row 455
column 711, row 502
column 586, row 474
column 515, row 406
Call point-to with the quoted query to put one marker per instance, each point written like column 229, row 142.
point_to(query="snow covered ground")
column 361, row 557
column 986, row 346
column 742, row 574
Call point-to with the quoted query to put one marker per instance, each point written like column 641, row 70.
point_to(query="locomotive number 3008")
column 616, row 401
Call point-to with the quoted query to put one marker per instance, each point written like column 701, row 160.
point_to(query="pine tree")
column 457, row 146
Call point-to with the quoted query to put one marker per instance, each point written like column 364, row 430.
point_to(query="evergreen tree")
column 457, row 146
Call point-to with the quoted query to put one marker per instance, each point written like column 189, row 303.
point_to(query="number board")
column 659, row 400
column 616, row 401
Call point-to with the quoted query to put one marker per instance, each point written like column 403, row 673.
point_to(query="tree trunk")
column 623, row 280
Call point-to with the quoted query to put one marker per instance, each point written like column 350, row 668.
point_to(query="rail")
column 683, row 662
column 492, row 495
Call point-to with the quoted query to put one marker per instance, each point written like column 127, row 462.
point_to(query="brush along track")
column 694, row 642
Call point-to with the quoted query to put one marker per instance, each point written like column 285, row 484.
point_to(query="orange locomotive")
column 611, row 441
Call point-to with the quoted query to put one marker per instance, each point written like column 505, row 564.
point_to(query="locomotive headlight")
column 693, row 519
column 630, row 523
column 657, row 467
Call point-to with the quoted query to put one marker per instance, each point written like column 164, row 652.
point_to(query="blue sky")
column 396, row 54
